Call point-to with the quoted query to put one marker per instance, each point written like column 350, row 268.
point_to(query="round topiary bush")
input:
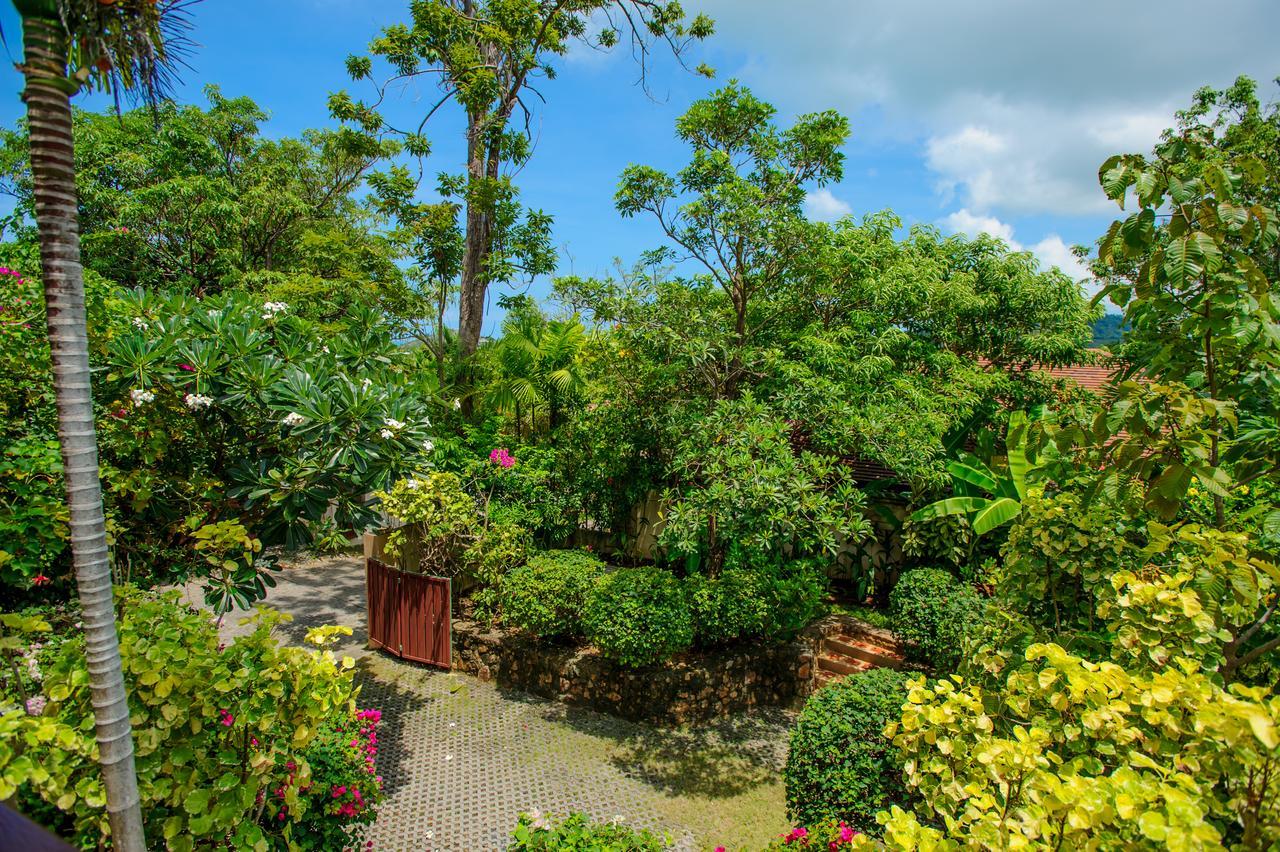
column 727, row 608
column 933, row 613
column 841, row 766
column 638, row 616
column 546, row 595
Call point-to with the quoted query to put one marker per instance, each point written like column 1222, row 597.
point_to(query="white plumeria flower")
column 457, row 403
column 387, row 433
column 392, row 423
column 141, row 397
column 412, row 484
column 428, row 445
column 293, row 418
column 324, row 349
column 275, row 307
column 139, row 322
column 197, row 401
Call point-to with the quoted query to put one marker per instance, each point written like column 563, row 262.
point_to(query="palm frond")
column 134, row 47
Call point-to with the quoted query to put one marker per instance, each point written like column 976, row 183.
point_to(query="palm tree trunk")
column 47, row 96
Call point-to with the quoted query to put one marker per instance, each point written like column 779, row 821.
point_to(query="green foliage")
column 840, row 766
column 638, row 616
column 229, row 399
column 223, row 736
column 935, row 615
column 200, row 200
column 729, row 607
column 741, row 484
column 498, row 549
column 793, row 595
column 1058, row 552
column 748, row 179
column 538, row 365
column 575, row 833
column 547, row 595
column 33, row 522
column 1193, row 268
column 237, row 575
column 972, row 481
column 440, row 522
column 532, row 493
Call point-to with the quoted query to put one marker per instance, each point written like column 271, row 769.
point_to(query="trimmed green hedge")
column 547, row 594
column 728, row 608
column 638, row 616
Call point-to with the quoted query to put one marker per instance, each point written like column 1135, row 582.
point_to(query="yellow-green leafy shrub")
column 222, row 733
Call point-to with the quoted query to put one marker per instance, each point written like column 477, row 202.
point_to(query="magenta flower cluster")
column 347, row 800
column 502, row 458
column 841, row 835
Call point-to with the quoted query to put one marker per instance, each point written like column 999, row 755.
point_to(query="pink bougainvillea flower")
column 796, row 834
column 502, row 458
column 227, row 719
column 719, row 849
column 186, row 368
column 846, row 833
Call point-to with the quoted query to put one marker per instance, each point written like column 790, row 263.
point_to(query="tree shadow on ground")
column 711, row 760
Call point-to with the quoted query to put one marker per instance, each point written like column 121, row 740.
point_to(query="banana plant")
column 989, row 495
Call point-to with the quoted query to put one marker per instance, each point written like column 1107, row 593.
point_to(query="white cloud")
column 964, row 222
column 1050, row 251
column 822, row 206
column 1015, row 103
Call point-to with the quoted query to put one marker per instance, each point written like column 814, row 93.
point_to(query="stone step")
column 875, row 655
column 880, row 638
column 824, row 678
column 841, row 664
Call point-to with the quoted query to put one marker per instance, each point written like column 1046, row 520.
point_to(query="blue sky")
column 989, row 115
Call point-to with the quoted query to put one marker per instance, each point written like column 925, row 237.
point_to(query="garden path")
column 461, row 758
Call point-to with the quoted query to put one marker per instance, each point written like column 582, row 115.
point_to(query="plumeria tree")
column 68, row 45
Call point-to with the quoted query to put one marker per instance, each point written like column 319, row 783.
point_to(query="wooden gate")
column 409, row 614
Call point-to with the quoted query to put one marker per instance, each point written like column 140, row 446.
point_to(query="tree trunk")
column 47, row 96
column 474, row 282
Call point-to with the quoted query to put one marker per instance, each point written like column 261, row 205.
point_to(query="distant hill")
column 1108, row 329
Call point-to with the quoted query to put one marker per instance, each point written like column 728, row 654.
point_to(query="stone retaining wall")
column 693, row 687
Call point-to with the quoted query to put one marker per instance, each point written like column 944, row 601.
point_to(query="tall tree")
column 125, row 45
column 736, row 210
column 487, row 56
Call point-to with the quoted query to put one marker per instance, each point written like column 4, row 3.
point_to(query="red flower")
column 187, row 367
column 40, row 580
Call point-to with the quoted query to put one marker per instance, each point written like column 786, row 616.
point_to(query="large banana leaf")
column 996, row 513
column 974, row 472
column 1016, row 449
column 950, row 506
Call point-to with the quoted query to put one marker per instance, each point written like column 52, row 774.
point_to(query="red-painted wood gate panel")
column 409, row 614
